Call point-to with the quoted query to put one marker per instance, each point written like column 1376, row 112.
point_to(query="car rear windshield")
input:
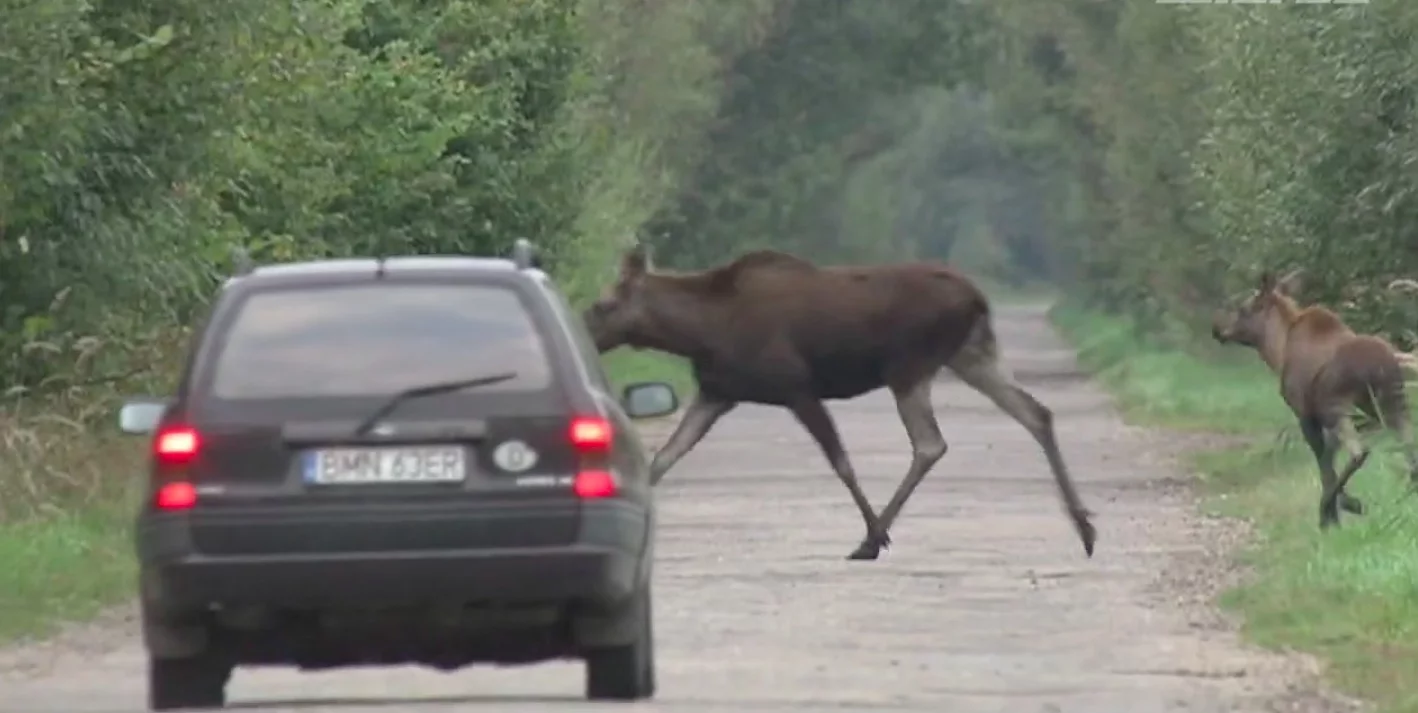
column 378, row 339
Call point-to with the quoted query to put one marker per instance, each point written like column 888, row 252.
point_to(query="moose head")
column 1246, row 322
column 620, row 313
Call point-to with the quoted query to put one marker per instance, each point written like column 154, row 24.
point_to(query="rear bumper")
column 545, row 574
column 606, row 562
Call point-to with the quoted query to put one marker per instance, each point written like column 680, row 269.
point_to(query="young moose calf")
column 774, row 329
column 1326, row 371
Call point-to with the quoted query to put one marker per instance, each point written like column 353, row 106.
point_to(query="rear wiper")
column 419, row 392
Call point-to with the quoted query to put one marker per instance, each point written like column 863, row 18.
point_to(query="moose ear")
column 635, row 262
column 1267, row 281
column 1292, row 283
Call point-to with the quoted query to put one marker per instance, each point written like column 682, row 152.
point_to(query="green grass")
column 1200, row 388
column 67, row 567
column 1350, row 595
column 626, row 366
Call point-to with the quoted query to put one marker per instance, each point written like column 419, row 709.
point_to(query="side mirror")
column 649, row 399
column 140, row 416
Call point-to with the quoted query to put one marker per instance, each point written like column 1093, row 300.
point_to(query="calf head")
column 1245, row 321
column 620, row 314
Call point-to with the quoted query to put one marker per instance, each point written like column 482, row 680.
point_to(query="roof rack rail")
column 524, row 254
column 241, row 262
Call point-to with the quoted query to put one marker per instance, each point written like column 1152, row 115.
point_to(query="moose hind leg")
column 979, row 368
column 913, row 403
column 1330, row 438
column 1344, row 434
column 818, row 422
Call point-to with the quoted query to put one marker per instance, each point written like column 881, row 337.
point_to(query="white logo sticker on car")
column 514, row 456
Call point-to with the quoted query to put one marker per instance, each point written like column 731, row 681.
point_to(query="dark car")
column 404, row 460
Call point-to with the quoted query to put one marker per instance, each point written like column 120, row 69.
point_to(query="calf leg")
column 1388, row 406
column 978, row 366
column 814, row 417
column 1346, row 436
column 699, row 417
column 1324, row 444
column 913, row 403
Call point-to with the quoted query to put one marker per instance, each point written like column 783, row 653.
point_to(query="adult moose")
column 1326, row 371
column 771, row 328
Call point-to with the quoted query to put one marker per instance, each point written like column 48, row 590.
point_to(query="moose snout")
column 1221, row 326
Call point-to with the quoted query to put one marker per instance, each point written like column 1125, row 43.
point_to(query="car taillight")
column 591, row 435
column 591, row 484
column 592, row 438
column 174, row 448
column 176, row 496
column 176, row 445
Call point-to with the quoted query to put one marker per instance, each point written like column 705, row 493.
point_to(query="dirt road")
column 985, row 603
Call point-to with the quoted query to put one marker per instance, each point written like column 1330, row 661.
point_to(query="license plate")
column 357, row 466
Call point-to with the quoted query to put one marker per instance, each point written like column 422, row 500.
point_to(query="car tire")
column 170, row 632
column 625, row 672
column 194, row 683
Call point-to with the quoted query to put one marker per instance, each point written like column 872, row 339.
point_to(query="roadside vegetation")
column 140, row 144
column 1348, row 595
column 1195, row 147
column 1145, row 160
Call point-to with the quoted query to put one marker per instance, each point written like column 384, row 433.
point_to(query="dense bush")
column 140, row 143
column 1155, row 155
column 1209, row 143
column 834, row 89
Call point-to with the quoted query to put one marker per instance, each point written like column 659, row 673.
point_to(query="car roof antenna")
column 524, row 254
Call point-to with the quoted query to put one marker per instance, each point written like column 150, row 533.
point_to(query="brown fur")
column 773, row 328
column 1326, row 371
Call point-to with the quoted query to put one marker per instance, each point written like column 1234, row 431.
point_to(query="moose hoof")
column 866, row 551
column 871, row 546
column 1087, row 533
column 1329, row 519
column 1351, row 504
column 1090, row 539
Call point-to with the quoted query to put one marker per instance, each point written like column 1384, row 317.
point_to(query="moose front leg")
column 814, row 417
column 1313, row 431
column 913, row 404
column 699, row 417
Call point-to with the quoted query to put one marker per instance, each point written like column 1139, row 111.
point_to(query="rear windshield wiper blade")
column 419, row 392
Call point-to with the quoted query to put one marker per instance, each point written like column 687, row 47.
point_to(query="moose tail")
column 1379, row 376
